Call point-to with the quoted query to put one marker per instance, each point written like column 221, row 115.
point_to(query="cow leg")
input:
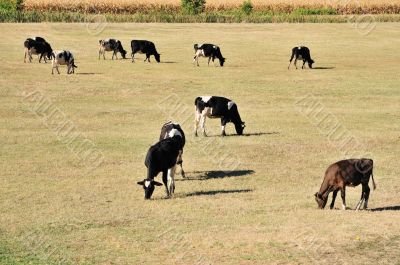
column 333, row 198
column 209, row 59
column 295, row 62
column 112, row 57
column 180, row 162
column 57, row 69
column 223, row 124
column 182, row 172
column 99, row 53
column 304, row 62
column 40, row 58
column 165, row 181
column 133, row 57
column 197, row 117
column 343, row 195
column 171, row 180
column 366, row 196
column 203, row 123
column 361, row 199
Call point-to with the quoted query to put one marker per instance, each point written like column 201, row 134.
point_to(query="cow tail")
column 373, row 181
column 291, row 58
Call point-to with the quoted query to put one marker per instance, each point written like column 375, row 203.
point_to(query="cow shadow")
column 88, row 73
column 324, row 68
column 245, row 134
column 168, row 62
column 387, row 208
column 217, row 174
column 215, row 192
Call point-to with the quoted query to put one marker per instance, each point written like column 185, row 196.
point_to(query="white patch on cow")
column 147, row 183
column 205, row 98
column 344, row 206
column 230, row 104
column 215, row 47
column 299, row 47
column 223, row 128
column 174, row 132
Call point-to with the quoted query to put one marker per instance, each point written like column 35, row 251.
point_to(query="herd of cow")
column 166, row 154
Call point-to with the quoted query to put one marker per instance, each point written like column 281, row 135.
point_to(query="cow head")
column 123, row 53
column 310, row 63
column 157, row 56
column 240, row 127
column 222, row 61
column 148, row 186
column 320, row 200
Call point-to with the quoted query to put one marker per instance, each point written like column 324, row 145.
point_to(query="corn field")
column 278, row 6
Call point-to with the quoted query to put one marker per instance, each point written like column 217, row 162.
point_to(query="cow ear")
column 140, row 182
column 157, row 183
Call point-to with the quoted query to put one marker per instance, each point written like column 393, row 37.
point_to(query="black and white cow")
column 301, row 53
column 162, row 157
column 108, row 45
column 165, row 133
column 217, row 107
column 38, row 46
column 63, row 58
column 208, row 50
column 144, row 47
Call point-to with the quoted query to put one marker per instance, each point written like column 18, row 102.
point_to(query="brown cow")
column 351, row 172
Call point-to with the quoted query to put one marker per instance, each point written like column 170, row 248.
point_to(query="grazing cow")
column 37, row 46
column 144, row 47
column 63, row 58
column 113, row 45
column 351, row 172
column 208, row 50
column 165, row 133
column 301, row 53
column 162, row 157
column 217, row 107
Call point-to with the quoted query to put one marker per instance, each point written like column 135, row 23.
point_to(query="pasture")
column 246, row 200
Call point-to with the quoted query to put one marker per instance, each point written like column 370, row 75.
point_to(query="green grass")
column 266, row 214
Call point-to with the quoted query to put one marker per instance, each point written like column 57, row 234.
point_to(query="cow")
column 144, row 47
column 217, row 107
column 38, row 46
column 113, row 45
column 63, row 58
column 301, row 53
column 162, row 157
column 208, row 50
column 351, row 173
column 165, row 133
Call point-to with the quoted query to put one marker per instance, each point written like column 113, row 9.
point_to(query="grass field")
column 55, row 209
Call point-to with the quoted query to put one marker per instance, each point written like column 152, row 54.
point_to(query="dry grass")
column 51, row 208
column 120, row 6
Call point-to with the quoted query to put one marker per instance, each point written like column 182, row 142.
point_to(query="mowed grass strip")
column 264, row 213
